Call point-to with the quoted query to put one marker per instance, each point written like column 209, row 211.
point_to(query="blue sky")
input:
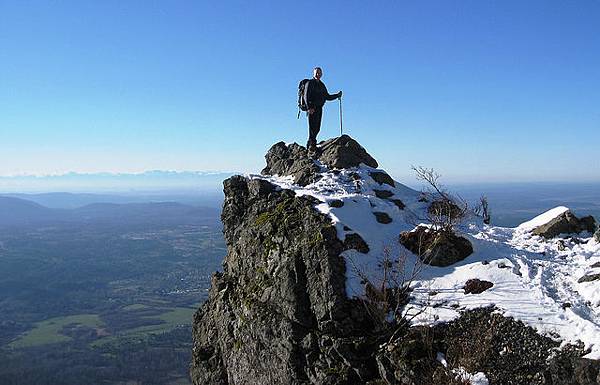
column 480, row 90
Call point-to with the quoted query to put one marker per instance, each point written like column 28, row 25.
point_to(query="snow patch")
column 475, row 379
column 542, row 219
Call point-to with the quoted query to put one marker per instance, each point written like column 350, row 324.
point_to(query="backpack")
column 302, row 104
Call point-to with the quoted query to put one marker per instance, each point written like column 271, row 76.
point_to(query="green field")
column 136, row 306
column 171, row 319
column 47, row 332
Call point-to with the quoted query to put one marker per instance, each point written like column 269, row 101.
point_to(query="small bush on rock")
column 388, row 292
column 445, row 211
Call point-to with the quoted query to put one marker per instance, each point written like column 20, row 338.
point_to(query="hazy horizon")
column 190, row 180
column 510, row 203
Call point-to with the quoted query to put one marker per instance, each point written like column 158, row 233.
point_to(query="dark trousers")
column 314, row 126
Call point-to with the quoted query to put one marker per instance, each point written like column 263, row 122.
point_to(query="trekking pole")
column 341, row 124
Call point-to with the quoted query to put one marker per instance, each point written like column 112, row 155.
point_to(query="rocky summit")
column 293, row 160
column 324, row 282
column 566, row 223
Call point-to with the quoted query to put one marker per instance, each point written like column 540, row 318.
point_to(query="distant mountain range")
column 96, row 182
column 65, row 200
column 22, row 212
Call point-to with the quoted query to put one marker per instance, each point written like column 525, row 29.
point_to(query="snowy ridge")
column 535, row 280
column 542, row 219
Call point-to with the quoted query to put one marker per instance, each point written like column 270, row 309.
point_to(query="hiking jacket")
column 316, row 94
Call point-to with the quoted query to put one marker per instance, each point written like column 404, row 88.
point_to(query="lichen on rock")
column 280, row 297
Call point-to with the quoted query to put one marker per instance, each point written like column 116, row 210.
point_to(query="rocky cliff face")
column 283, row 312
column 278, row 314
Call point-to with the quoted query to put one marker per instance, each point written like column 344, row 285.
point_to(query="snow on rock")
column 474, row 379
column 356, row 189
column 542, row 219
column 534, row 280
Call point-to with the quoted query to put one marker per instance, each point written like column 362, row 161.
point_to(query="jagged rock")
column 336, row 203
column 398, row 203
column 382, row 178
column 409, row 361
column 344, row 152
column 573, row 371
column 436, row 248
column 279, row 314
column 477, row 286
column 565, row 223
column 589, row 223
column 597, row 235
column 507, row 351
column 382, row 217
column 284, row 160
column 260, row 187
column 355, row 241
column 294, row 160
column 589, row 278
column 383, row 194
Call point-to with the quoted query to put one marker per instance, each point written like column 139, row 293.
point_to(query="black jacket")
column 316, row 94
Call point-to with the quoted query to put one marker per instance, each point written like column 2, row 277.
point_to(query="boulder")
column 291, row 160
column 344, row 152
column 565, row 223
column 336, row 203
column 398, row 203
column 382, row 217
column 589, row 278
column 436, row 248
column 477, row 286
column 382, row 178
column 356, row 242
column 383, row 194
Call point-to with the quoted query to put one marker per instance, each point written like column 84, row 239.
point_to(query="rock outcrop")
column 509, row 353
column 280, row 312
column 293, row 160
column 344, row 152
column 436, row 248
column 565, row 223
column 477, row 286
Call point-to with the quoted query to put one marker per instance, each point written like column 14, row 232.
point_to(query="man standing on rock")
column 316, row 95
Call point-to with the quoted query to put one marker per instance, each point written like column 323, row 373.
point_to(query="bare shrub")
column 445, row 211
column 482, row 209
column 388, row 292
